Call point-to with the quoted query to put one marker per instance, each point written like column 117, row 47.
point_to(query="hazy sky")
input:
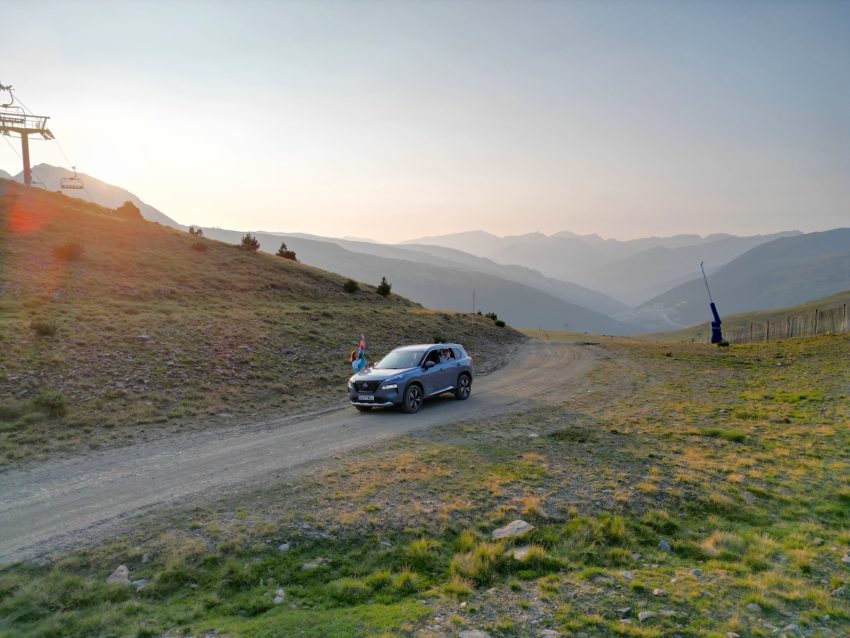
column 393, row 120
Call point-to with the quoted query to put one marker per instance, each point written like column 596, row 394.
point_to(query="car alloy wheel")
column 413, row 399
column 464, row 386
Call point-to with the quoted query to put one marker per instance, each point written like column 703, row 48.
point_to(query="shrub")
column 500, row 323
column 379, row 579
column 492, row 315
column 422, row 553
column 10, row 412
column 407, row 582
column 130, row 211
column 53, row 403
column 349, row 590
column 196, row 231
column 284, row 252
column 43, row 327
column 481, row 564
column 384, row 287
column 351, row 286
column 250, row 243
column 200, row 246
column 69, row 251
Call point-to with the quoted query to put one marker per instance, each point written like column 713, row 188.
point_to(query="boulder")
column 514, row 529
column 121, row 576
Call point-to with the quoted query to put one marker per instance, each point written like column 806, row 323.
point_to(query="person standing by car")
column 358, row 357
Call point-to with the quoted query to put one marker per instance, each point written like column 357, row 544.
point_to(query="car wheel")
column 363, row 408
column 412, row 399
column 464, row 387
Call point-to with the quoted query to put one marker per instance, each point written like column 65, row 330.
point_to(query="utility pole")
column 14, row 119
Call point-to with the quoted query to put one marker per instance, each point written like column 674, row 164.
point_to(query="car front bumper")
column 383, row 398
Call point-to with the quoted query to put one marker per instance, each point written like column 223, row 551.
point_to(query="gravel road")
column 47, row 506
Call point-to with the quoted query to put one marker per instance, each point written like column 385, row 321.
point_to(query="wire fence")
column 819, row 321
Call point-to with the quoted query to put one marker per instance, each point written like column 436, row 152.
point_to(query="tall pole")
column 705, row 279
column 25, row 151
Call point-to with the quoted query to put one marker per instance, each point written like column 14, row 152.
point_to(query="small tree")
column 69, row 251
column 384, row 288
column 351, row 286
column 250, row 243
column 196, row 231
column 284, row 252
column 129, row 210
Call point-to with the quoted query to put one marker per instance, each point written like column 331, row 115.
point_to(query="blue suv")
column 411, row 374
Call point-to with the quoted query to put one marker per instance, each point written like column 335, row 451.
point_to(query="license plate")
column 365, row 397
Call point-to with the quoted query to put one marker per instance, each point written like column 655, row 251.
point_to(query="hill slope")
column 784, row 272
column 143, row 332
column 441, row 286
column 101, row 193
column 796, row 321
column 451, row 258
column 641, row 276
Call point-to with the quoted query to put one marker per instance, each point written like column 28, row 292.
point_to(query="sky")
column 395, row 120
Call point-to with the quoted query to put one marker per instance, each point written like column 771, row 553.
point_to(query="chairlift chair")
column 73, row 183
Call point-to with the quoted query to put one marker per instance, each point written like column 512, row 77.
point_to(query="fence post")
column 788, row 326
column 845, row 318
column 767, row 331
column 816, row 322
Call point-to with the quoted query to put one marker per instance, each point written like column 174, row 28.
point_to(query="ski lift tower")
column 15, row 120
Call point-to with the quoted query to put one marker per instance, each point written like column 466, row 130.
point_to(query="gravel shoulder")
column 45, row 507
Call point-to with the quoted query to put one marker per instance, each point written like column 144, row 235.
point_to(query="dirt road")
column 44, row 507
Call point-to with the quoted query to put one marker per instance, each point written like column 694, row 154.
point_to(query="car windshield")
column 400, row 359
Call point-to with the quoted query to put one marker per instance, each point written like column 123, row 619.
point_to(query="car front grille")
column 367, row 386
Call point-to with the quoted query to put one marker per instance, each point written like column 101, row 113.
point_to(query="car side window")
column 433, row 356
column 456, row 354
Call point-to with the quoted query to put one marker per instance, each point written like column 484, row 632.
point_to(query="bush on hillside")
column 250, row 243
column 351, row 286
column 52, row 403
column 200, row 246
column 69, row 251
column 129, row 210
column 500, row 323
column 384, row 288
column 492, row 315
column 284, row 252
column 43, row 327
column 196, row 231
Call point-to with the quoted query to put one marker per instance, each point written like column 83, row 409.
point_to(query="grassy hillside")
column 150, row 329
column 445, row 285
column 801, row 321
column 784, row 272
column 448, row 257
column 681, row 490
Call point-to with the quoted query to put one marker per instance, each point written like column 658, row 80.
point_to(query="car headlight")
column 389, row 386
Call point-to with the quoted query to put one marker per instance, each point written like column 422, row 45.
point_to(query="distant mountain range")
column 631, row 271
column 582, row 282
column 784, row 272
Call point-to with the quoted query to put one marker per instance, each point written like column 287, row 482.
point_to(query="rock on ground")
column 121, row 576
column 513, row 530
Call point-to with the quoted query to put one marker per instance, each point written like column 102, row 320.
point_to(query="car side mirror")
column 429, row 364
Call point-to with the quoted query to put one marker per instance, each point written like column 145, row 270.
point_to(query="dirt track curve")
column 45, row 506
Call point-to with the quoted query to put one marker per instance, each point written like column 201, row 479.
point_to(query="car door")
column 432, row 377
column 453, row 367
column 446, row 369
